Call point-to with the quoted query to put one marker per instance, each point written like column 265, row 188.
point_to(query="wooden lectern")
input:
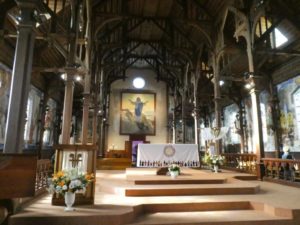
column 82, row 157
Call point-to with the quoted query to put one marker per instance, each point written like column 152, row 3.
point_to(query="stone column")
column 20, row 85
column 68, row 107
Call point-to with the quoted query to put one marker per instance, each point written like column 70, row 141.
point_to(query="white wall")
column 114, row 138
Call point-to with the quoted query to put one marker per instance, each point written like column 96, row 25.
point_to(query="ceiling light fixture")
column 138, row 82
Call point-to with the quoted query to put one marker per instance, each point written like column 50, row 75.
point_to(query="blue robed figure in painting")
column 138, row 111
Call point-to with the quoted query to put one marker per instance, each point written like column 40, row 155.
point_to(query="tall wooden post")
column 68, row 107
column 85, row 113
column 275, row 119
column 217, row 99
column 95, row 121
column 174, row 126
column 254, row 83
column 14, row 135
column 183, row 102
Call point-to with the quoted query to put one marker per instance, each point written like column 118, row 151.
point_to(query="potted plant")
column 69, row 182
column 174, row 170
column 214, row 160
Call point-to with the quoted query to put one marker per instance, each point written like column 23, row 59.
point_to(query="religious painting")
column 137, row 113
column 289, row 104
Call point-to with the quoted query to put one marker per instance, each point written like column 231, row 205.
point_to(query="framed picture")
column 137, row 113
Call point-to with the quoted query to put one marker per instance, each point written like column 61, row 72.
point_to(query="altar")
column 162, row 155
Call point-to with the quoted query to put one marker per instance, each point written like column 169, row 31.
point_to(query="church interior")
column 153, row 112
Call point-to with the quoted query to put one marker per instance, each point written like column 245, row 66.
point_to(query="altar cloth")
column 161, row 155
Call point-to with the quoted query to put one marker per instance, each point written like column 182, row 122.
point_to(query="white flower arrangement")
column 214, row 159
column 69, row 181
column 174, row 167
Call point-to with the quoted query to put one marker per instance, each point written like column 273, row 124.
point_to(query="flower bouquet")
column 69, row 181
column 214, row 159
column 174, row 167
column 174, row 170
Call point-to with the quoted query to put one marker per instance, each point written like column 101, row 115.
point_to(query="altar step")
column 113, row 163
column 145, row 182
column 201, row 213
column 178, row 190
column 190, row 191
column 216, row 213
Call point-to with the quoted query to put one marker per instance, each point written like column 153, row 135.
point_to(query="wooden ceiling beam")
column 56, row 70
column 128, row 51
column 278, row 52
column 172, row 55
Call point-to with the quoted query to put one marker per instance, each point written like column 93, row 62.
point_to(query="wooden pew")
column 17, row 175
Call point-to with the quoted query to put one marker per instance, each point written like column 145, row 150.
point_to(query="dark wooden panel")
column 17, row 175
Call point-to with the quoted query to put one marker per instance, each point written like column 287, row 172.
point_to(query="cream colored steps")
column 236, row 217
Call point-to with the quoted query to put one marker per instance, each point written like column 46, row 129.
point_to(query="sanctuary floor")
column 242, row 202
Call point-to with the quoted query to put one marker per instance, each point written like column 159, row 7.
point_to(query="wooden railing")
column 241, row 162
column 43, row 172
column 286, row 169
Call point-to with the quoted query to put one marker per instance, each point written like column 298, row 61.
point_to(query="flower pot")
column 174, row 174
column 69, row 201
column 216, row 168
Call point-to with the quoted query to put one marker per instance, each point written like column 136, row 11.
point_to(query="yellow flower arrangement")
column 214, row 159
column 69, row 181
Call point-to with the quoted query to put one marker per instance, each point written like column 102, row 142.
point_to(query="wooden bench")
column 17, row 175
